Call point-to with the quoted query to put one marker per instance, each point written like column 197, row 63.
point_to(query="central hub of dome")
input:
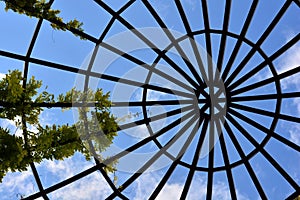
column 212, row 100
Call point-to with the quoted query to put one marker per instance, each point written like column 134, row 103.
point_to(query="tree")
column 24, row 105
column 91, row 134
column 41, row 9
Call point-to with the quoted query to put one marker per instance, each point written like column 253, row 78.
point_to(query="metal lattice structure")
column 187, row 112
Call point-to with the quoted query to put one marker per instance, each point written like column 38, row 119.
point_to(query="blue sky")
column 66, row 49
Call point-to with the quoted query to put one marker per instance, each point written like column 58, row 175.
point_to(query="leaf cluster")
column 97, row 127
column 18, row 101
column 93, row 132
column 41, row 9
column 12, row 153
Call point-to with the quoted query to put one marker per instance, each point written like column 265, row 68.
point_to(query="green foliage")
column 11, row 152
column 97, row 126
column 19, row 101
column 41, row 9
column 56, row 142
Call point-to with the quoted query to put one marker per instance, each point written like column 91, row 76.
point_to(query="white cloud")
column 170, row 191
column 11, row 125
column 44, row 118
column 23, row 183
column 90, row 187
column 144, row 185
column 47, row 117
column 290, row 61
column 17, row 183
column 147, row 182
column 63, row 169
column 2, row 75
column 138, row 132
column 95, row 186
column 295, row 135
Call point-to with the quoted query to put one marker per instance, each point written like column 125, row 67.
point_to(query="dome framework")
column 193, row 102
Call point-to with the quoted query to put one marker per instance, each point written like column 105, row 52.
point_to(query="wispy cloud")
column 64, row 169
column 92, row 186
column 295, row 135
column 2, row 75
column 147, row 182
column 192, row 3
column 15, row 184
column 289, row 61
column 11, row 125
